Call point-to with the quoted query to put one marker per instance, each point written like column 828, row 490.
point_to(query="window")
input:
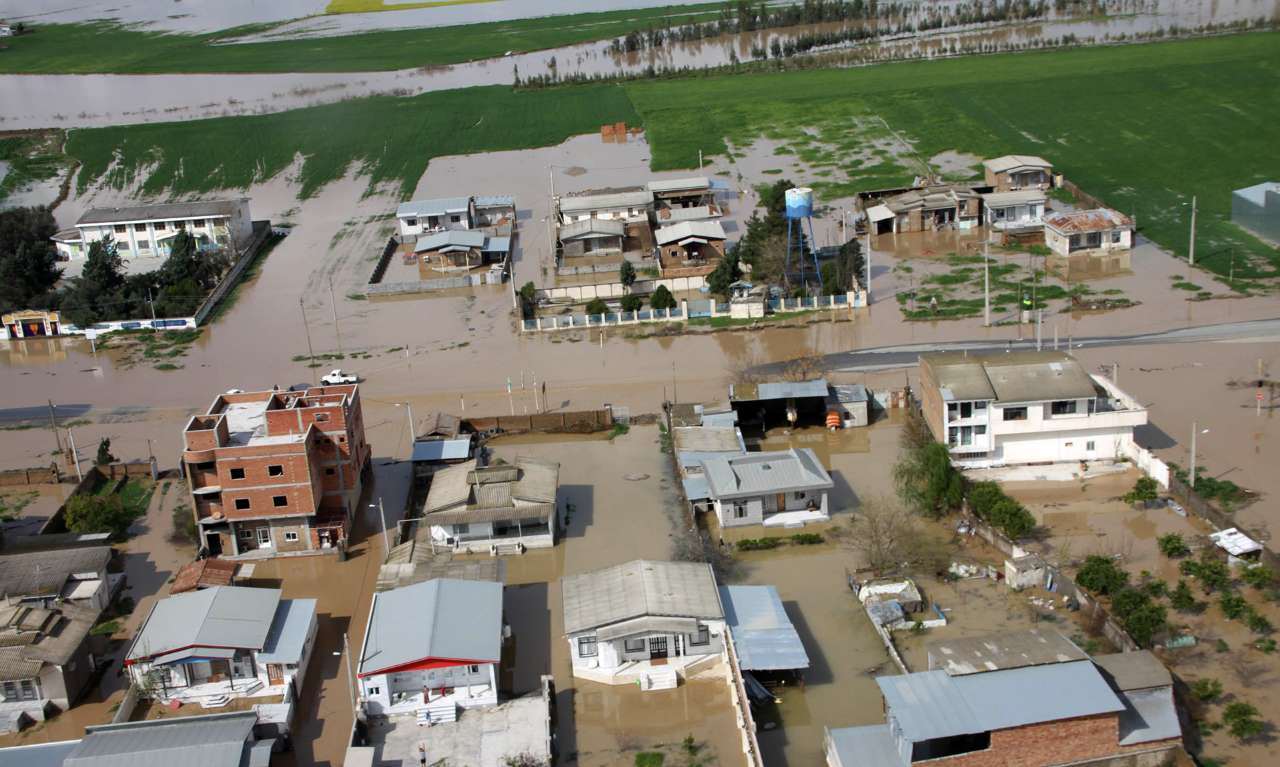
column 411, row 222
column 953, row 436
column 703, row 637
column 979, row 430
column 237, row 473
column 455, row 219
column 122, row 245
column 322, row 417
column 798, row 495
column 290, row 537
column 121, row 229
column 373, row 690
column 952, row 410
column 144, row 245
column 181, row 226
column 279, row 501
column 242, row 504
column 1116, row 237
column 341, row 440
column 1015, row 414
column 1089, row 446
column 966, row 409
column 197, row 223
column 329, row 472
column 739, row 510
column 586, row 647
column 244, row 533
column 1063, row 407
column 980, row 406
column 473, row 668
column 160, row 226
column 275, row 470
column 634, row 645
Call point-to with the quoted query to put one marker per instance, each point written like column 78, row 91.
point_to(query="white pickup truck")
column 336, row 376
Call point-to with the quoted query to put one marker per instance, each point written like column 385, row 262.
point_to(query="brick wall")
column 1039, row 745
column 931, row 403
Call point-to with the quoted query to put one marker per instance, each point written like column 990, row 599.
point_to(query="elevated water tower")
column 799, row 203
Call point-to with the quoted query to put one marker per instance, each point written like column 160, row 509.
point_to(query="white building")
column 1023, row 209
column 622, row 206
column 1094, row 232
column 146, row 231
column 643, row 622
column 428, row 216
column 494, row 509
column 226, row 642
column 432, row 647
column 774, row 489
column 1024, row 408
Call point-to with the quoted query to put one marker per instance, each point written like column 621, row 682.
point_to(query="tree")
column 662, row 299
column 627, row 274
column 927, row 482
column 1206, row 689
column 632, row 303
column 1242, row 720
column 1259, row 576
column 98, row 514
column 1101, row 575
column 1144, row 490
column 528, row 302
column 597, row 306
column 1182, row 599
column 1172, row 545
column 883, row 532
column 727, row 272
column 982, row 496
column 28, row 266
column 97, row 292
column 915, row 432
column 104, row 456
column 1011, row 518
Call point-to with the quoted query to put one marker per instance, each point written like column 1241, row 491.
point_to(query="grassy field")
column 369, row 6
column 389, row 139
column 108, row 48
column 1142, row 127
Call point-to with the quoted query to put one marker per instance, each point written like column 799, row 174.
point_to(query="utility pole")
column 867, row 263
column 1191, row 246
column 311, row 353
column 699, row 159
column 1193, row 454
column 413, row 429
column 986, row 286
column 152, row 304
column 53, row 424
column 510, row 399
column 351, row 678
column 71, row 440
column 386, row 542
column 1039, row 317
column 334, row 303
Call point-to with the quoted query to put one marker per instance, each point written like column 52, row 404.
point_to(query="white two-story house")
column 142, row 231
column 1017, row 210
column 774, row 489
column 420, row 217
column 1024, row 408
column 643, row 622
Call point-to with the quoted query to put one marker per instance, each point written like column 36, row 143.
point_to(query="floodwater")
column 125, row 99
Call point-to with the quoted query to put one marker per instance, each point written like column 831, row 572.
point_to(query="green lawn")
column 109, row 48
column 1143, row 127
column 390, row 139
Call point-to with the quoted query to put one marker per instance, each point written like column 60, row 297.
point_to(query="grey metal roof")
column 695, row 213
column 441, row 619
column 931, row 704
column 686, row 230
column 217, row 740
column 1148, row 715
column 752, row 474
column 693, row 184
column 495, row 201
column 441, row 449
column 437, row 207
column 588, row 202
column 695, row 488
column 496, row 245
column 778, row 390
column 31, row 636
column 1138, row 670
column 457, row 239
column 289, row 631
column 43, row 573
column 724, row 418
column 538, row 482
column 593, row 227
column 1016, row 649
column 222, row 616
column 1010, row 162
column 850, row 393
column 1010, row 378
column 162, row 211
column 449, row 487
column 639, row 588
column 871, row 746
column 762, row 632
column 541, row 512
column 1020, row 197
column 37, row 754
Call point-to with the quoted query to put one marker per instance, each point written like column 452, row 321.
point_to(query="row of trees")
column 29, row 272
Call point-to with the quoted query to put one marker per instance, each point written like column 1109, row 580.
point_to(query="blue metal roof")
column 497, row 244
column 695, row 488
column 442, row 449
column 762, row 632
column 1148, row 715
column 872, row 746
column 289, row 631
column 931, row 704
column 778, row 390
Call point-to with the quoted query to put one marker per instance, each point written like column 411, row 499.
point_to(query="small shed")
column 901, row 590
column 1239, row 547
column 1026, row 572
column 852, row 403
column 781, row 403
column 764, row 636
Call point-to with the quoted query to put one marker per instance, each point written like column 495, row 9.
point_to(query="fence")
column 695, row 309
column 261, row 231
column 572, row 271
column 575, row 422
column 48, row 475
column 742, row 704
column 384, row 260
column 617, row 289
column 1147, row 463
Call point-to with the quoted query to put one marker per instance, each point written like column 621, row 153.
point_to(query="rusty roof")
column 1082, row 221
column 202, row 574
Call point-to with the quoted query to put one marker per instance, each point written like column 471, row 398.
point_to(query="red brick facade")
column 1064, row 742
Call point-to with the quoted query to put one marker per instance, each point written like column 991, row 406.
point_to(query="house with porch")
column 419, row 217
column 630, row 205
column 432, row 647
column 644, row 622
column 1012, row 172
column 47, row 658
column 276, row 471
column 690, row 248
column 457, row 250
column 1096, row 232
column 502, row 509
column 495, row 212
column 928, row 209
column 774, row 489
column 222, row 643
column 1017, row 211
column 592, row 237
column 147, row 231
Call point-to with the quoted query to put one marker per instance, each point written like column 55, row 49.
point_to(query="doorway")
column 657, row 648
column 213, row 542
column 264, row 537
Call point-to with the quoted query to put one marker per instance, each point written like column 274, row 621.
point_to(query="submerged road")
column 888, row 357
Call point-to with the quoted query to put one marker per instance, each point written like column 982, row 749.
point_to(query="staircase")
column 438, row 711
column 506, row 549
column 659, row 678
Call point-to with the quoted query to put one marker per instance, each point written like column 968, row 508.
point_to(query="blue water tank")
column 799, row 202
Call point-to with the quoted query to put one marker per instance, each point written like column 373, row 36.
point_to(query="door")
column 657, row 648
column 264, row 537
column 782, row 501
column 213, row 542
column 275, row 674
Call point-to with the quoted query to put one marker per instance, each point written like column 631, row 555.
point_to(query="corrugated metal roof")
column 593, row 227
column 1083, row 221
column 752, row 474
column 1235, row 542
column 38, row 754
column 778, row 390
column 589, row 202
column 1020, row 197
column 693, row 184
column 218, row 740
column 441, row 449
column 639, row 588
column 1148, row 715
column 1137, row 670
column 444, row 618
column 223, row 616
column 1009, row 162
column 449, row 487
column 685, row 230
column 289, row 631
column 538, row 482
column 1016, row 649
column 872, row 746
column 763, row 634
column 538, row 511
column 495, row 201
column 496, row 245
column 877, row 213
column 695, row 213
column 437, row 207
column 492, row 495
column 162, row 211
column 931, row 704
column 452, row 238
column 695, row 488
column 43, row 573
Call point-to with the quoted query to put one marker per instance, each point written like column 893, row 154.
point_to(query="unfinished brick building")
column 276, row 471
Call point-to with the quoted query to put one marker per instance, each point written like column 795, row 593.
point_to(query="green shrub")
column 98, row 514
column 1259, row 576
column 1233, row 605
column 106, row 628
column 1242, row 720
column 632, row 303
column 1212, row 572
column 597, row 306
column 1207, row 689
column 1101, row 575
column 1173, row 546
column 1182, row 599
column 1145, row 489
column 758, row 544
column 1257, row 622
column 806, row 539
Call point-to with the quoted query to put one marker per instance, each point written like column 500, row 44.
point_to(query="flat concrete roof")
column 1017, row 649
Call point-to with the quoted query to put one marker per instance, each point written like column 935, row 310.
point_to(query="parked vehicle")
column 337, row 376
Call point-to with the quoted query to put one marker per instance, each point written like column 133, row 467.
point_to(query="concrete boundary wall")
column 46, row 475
column 261, row 231
column 573, row 422
column 581, row 293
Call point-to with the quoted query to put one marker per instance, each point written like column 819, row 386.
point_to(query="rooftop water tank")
column 799, row 202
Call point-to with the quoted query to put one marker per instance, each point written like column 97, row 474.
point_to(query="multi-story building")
column 276, row 471
column 141, row 231
column 1024, row 407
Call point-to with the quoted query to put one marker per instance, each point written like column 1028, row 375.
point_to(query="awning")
column 693, row 241
column 193, row 655
column 648, row 624
column 442, row 449
column 879, row 213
